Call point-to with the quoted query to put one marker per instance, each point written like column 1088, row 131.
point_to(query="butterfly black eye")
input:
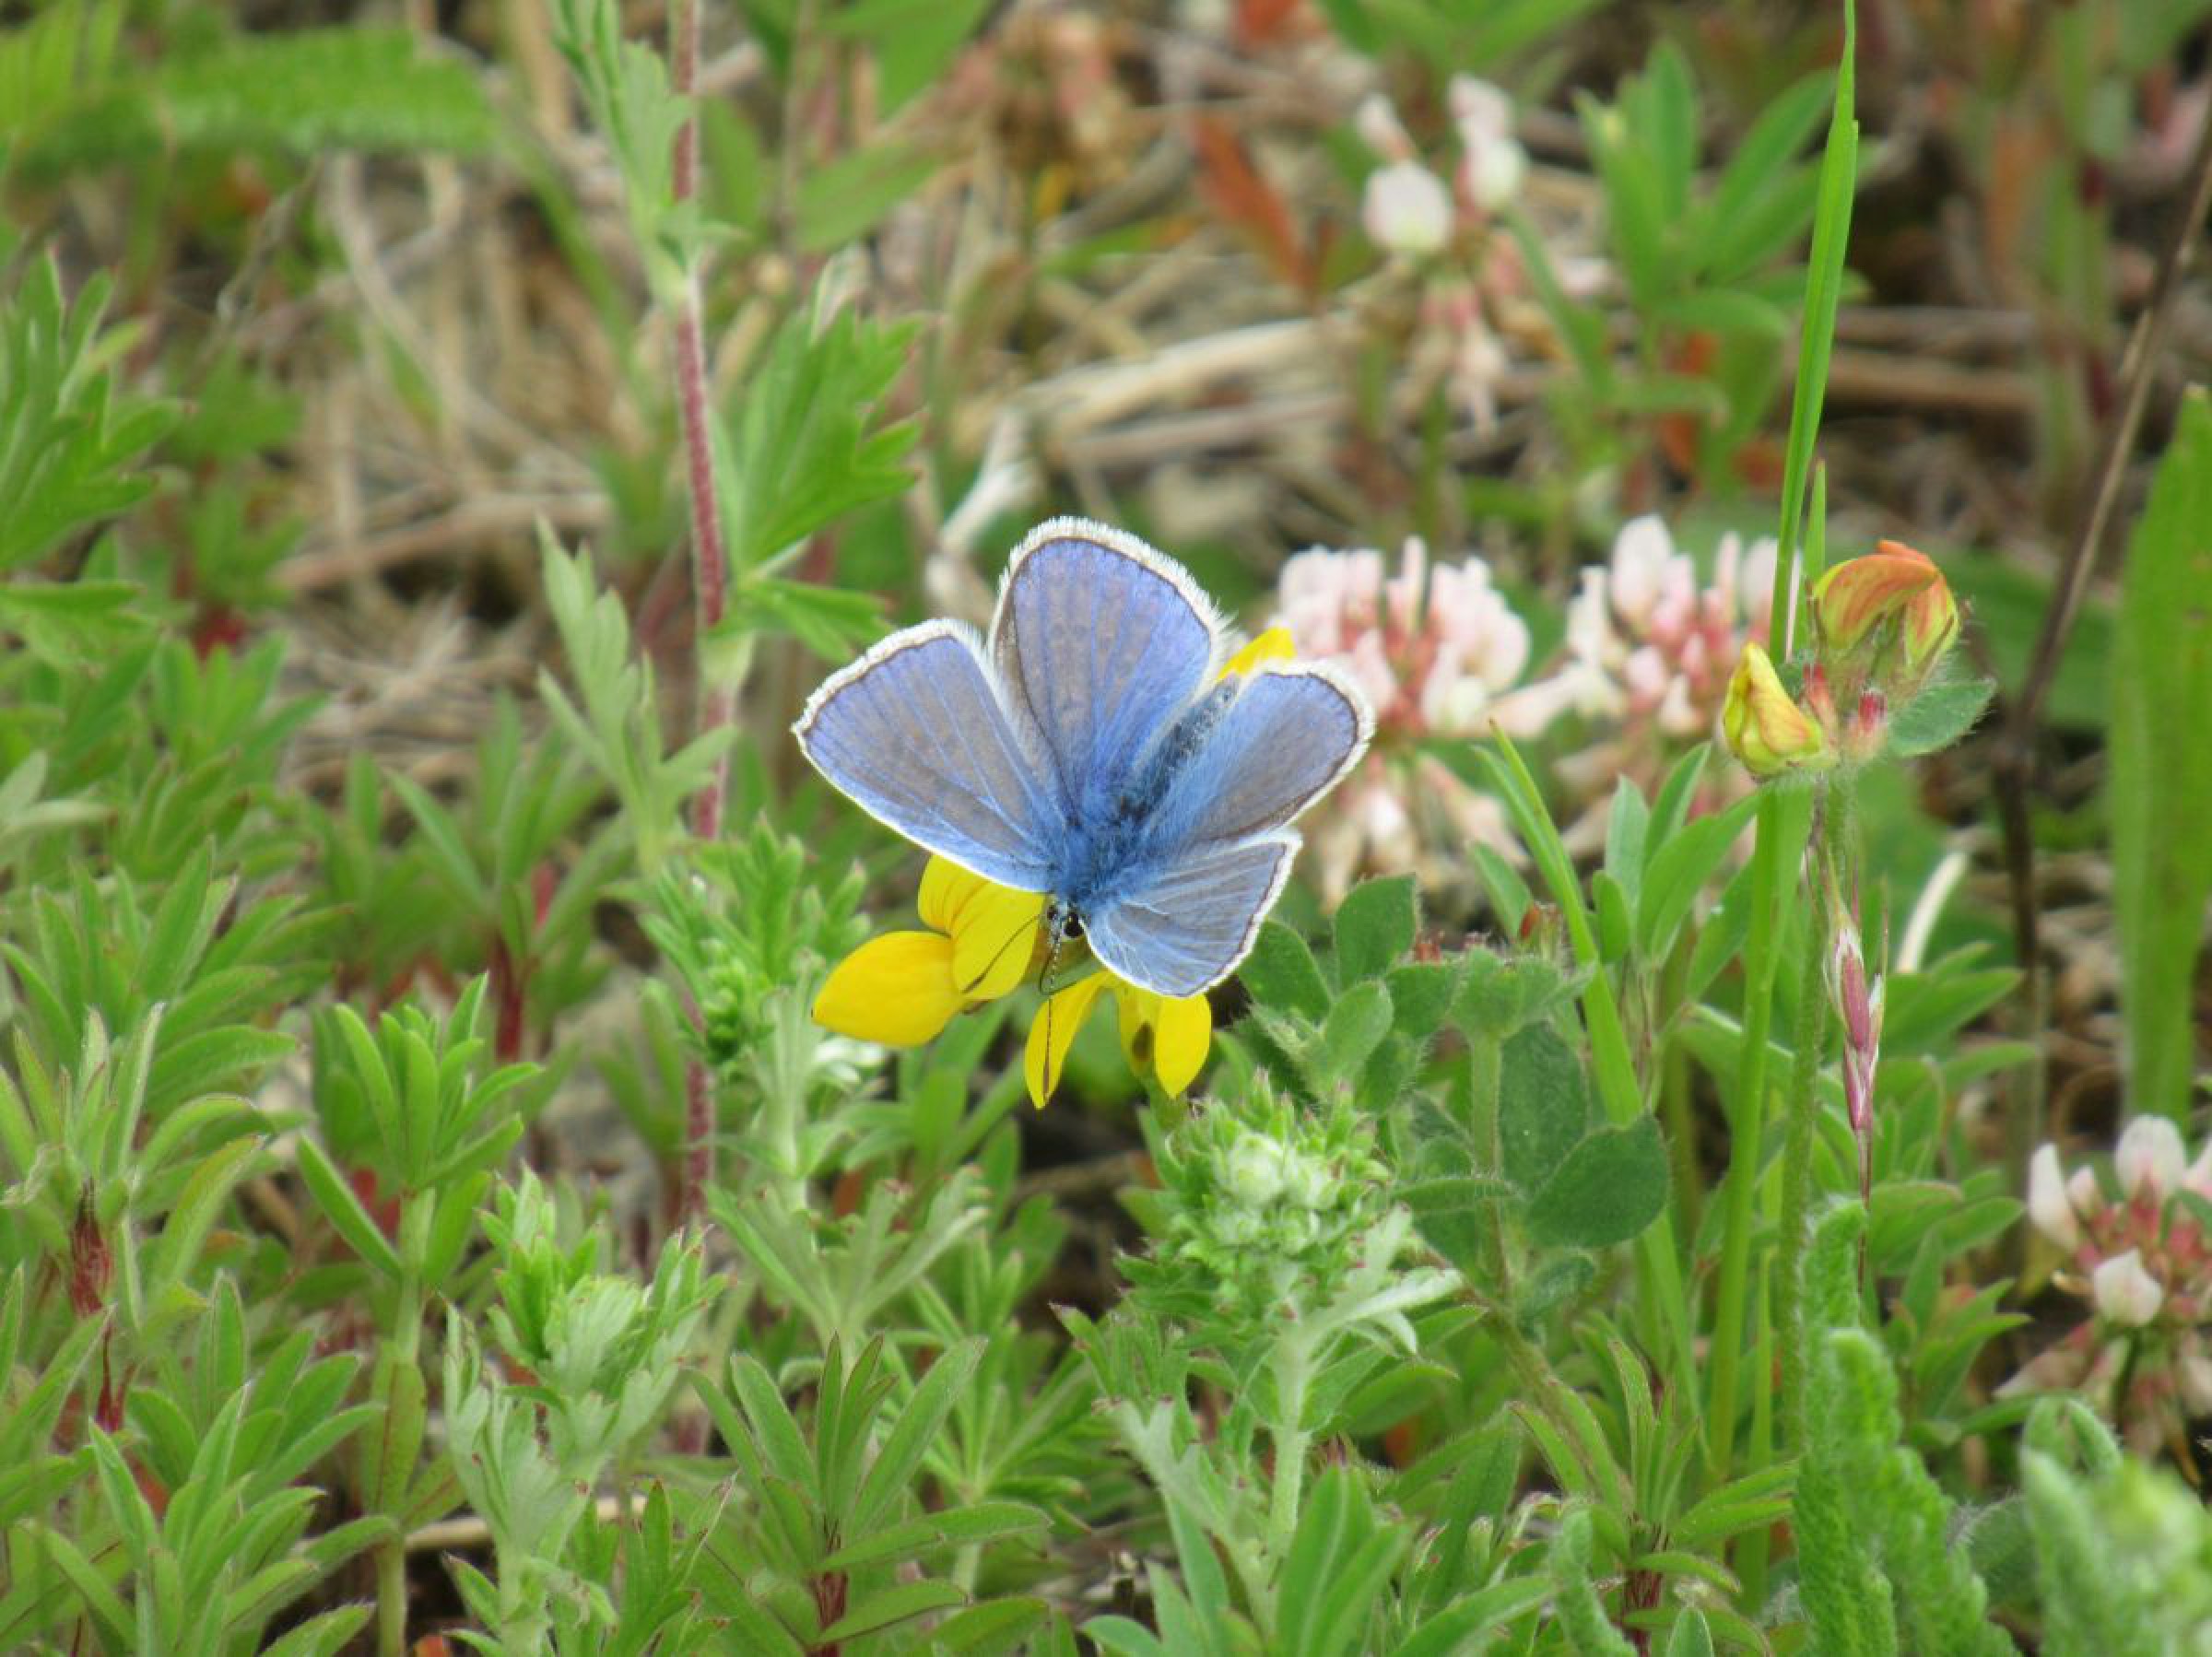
column 1071, row 928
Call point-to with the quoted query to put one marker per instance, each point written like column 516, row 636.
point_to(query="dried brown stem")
column 2013, row 763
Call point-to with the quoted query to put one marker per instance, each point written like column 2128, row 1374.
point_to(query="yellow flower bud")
column 1765, row 729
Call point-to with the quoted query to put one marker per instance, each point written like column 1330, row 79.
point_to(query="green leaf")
column 1340, row 1560
column 1938, row 716
column 345, row 1211
column 1627, row 823
column 995, row 1626
column 1356, row 1026
column 913, row 1433
column 892, row 1606
column 1375, row 926
column 982, row 1521
column 1543, row 1105
column 1557, row 1278
column 299, row 91
column 2160, row 777
column 1679, row 871
column 842, row 199
column 1692, row 1637
column 805, row 448
column 1610, row 1187
column 1282, row 974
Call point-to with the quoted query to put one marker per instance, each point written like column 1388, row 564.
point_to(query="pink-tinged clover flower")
column 1651, row 649
column 1435, row 648
column 2136, row 1255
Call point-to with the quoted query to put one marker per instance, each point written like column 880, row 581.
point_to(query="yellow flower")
column 902, row 989
column 1170, row 1036
column 1765, row 729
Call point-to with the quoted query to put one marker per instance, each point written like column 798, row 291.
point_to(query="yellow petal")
column 993, row 936
column 1274, row 645
column 993, row 928
column 1055, row 1032
column 897, row 989
column 944, row 887
column 1180, row 1041
column 1170, row 1038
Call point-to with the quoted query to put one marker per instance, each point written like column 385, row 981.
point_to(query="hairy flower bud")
column 1768, row 731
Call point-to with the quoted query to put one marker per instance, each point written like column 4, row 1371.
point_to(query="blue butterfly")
column 1090, row 750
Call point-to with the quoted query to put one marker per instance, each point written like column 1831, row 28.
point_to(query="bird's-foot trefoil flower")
column 1766, row 729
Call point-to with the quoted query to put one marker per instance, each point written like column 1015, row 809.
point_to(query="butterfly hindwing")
column 1098, row 642
column 1185, row 924
column 1290, row 736
column 915, row 733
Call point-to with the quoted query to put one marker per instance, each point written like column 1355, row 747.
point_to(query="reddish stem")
column 710, row 567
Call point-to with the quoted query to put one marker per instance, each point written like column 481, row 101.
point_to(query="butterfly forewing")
column 1099, row 643
column 915, row 731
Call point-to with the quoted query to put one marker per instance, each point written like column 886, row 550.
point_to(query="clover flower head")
column 2142, row 1267
column 1435, row 646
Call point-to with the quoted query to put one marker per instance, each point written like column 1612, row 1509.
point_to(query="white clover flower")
column 2085, row 1194
column 1406, row 209
column 2199, row 1177
column 2048, row 1205
column 2126, row 1294
column 1492, row 163
column 2151, row 1158
column 1381, row 130
column 2197, row 1382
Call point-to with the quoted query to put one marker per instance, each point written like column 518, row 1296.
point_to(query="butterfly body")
column 1092, row 749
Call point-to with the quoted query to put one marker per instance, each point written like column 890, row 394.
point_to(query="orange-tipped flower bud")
column 1857, row 595
column 1766, row 730
column 1893, row 610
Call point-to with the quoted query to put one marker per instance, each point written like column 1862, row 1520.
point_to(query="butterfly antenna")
column 1044, row 977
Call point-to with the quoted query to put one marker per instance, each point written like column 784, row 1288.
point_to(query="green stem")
column 1797, row 1155
column 1484, row 1060
column 1292, row 1441
column 403, row 1348
column 1751, row 1554
column 1781, row 835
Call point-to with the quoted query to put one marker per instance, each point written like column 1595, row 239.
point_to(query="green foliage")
column 2161, row 701
column 69, row 444
column 351, row 1105
column 299, row 93
column 840, row 1541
